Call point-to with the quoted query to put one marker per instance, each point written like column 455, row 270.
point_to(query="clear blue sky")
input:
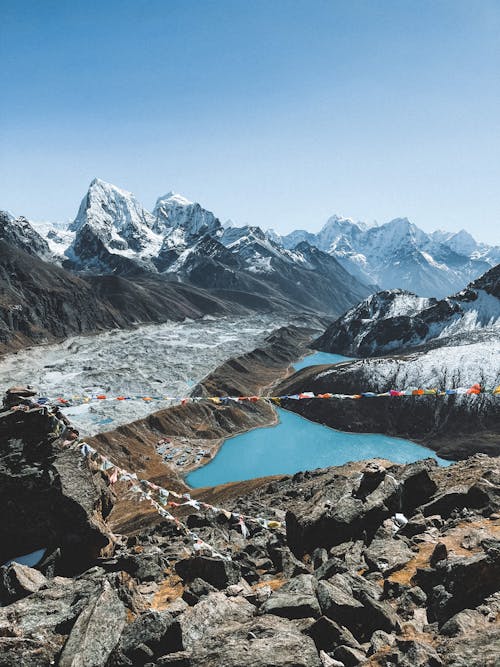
column 277, row 113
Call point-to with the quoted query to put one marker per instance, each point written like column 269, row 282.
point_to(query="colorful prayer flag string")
column 472, row 390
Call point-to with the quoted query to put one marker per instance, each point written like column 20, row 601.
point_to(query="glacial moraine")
column 158, row 359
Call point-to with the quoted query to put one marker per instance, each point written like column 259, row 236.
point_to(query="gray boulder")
column 387, row 555
column 265, row 641
column 328, row 634
column 212, row 613
column 96, row 631
column 296, row 599
column 17, row 581
column 219, row 573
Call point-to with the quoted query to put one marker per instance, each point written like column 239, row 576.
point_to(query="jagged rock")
column 349, row 656
column 210, row 614
column 351, row 553
column 372, row 476
column 49, row 495
column 474, row 538
column 412, row 653
column 319, row 557
column 329, row 568
column 377, row 616
column 178, row 659
column 32, row 621
column 466, row 621
column 418, row 524
column 17, row 581
column 149, row 566
column 338, row 603
column 417, row 485
column 296, row 599
column 157, row 630
column 459, row 584
column 241, row 588
column 409, row 600
column 473, row 649
column 219, row 573
column 291, row 566
column 357, row 584
column 96, row 630
column 456, row 498
column 379, row 641
column 387, row 555
column 439, row 553
column 327, row 661
column 328, row 634
column 265, row 641
column 196, row 590
column 326, row 521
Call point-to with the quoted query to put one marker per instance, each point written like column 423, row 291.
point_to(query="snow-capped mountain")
column 398, row 254
column 175, row 212
column 182, row 241
column 112, row 232
column 464, row 244
column 397, row 319
column 19, row 232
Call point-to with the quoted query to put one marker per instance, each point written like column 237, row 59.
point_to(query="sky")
column 275, row 113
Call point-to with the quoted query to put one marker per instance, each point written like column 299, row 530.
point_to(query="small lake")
column 31, row 559
column 298, row 444
column 318, row 358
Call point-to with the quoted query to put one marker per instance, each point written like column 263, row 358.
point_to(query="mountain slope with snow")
column 182, row 241
column 175, row 212
column 398, row 254
column 396, row 319
column 18, row 232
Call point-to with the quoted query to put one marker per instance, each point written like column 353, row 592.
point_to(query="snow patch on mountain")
column 444, row 367
column 395, row 319
column 173, row 212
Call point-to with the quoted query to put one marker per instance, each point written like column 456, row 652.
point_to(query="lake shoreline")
column 294, row 444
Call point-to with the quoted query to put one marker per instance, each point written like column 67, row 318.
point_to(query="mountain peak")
column 174, row 211
column 98, row 185
column 174, row 198
column 114, row 216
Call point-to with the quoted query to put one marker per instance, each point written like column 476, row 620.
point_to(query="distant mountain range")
column 180, row 241
column 398, row 254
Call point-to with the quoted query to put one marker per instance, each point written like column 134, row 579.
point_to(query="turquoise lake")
column 299, row 444
column 296, row 444
column 318, row 358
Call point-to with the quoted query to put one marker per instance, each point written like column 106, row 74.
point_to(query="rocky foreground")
column 375, row 564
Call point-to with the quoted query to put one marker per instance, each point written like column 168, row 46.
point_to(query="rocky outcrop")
column 51, row 501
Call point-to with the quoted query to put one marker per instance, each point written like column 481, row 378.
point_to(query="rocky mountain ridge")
column 398, row 320
column 42, row 302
